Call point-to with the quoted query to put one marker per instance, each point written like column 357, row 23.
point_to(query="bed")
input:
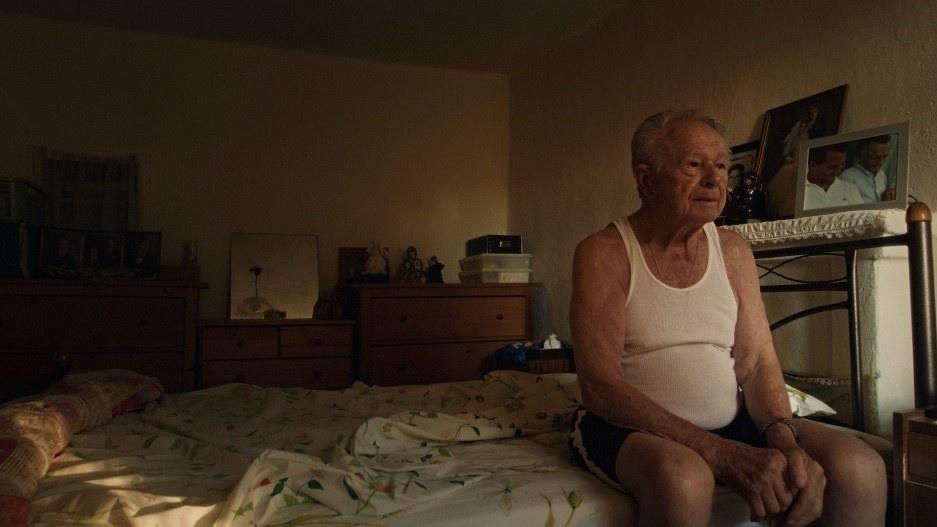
column 487, row 452
column 491, row 451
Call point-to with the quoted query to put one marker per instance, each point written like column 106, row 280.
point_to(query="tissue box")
column 495, row 243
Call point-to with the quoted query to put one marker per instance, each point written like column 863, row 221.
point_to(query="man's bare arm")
column 759, row 372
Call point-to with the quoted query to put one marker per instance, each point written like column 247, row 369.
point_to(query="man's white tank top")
column 678, row 342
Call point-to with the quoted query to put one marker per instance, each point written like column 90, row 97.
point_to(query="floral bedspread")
column 487, row 452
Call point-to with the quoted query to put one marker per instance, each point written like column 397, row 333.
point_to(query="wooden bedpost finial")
column 917, row 211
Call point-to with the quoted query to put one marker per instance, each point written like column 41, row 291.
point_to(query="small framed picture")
column 60, row 255
column 860, row 170
column 141, row 254
column 103, row 253
column 742, row 162
column 783, row 129
column 351, row 263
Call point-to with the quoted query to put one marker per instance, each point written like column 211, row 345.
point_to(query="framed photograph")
column 860, row 170
column 60, row 254
column 274, row 275
column 351, row 263
column 742, row 162
column 103, row 253
column 783, row 129
column 141, row 254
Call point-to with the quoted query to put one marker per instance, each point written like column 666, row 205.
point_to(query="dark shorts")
column 595, row 443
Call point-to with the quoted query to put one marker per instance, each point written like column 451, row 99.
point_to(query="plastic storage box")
column 495, row 262
column 499, row 276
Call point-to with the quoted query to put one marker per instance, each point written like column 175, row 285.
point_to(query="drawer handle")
column 239, row 344
column 317, row 342
column 500, row 316
column 403, row 318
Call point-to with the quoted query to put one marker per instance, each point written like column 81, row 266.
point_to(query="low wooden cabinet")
column 285, row 353
column 48, row 326
column 423, row 333
column 915, row 469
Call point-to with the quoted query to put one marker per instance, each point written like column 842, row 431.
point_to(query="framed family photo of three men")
column 860, row 170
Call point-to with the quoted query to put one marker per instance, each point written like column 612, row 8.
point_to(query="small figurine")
column 411, row 268
column 434, row 271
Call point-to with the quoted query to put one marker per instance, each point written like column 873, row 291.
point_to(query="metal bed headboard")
column 921, row 272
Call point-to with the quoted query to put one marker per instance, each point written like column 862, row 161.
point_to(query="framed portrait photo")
column 782, row 131
column 742, row 162
column 141, row 254
column 860, row 170
column 60, row 254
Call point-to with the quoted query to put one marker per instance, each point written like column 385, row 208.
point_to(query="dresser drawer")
column 307, row 373
column 921, row 503
column 427, row 363
column 73, row 322
column 447, row 318
column 239, row 343
column 315, row 341
column 922, row 458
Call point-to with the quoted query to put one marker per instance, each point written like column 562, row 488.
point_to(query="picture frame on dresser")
column 142, row 254
column 273, row 275
column 861, row 170
column 60, row 254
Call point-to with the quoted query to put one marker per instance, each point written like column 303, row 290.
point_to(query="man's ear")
column 642, row 177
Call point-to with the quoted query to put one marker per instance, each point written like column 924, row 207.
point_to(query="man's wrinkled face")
column 873, row 159
column 690, row 179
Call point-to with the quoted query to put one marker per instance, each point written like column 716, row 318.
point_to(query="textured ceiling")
column 487, row 35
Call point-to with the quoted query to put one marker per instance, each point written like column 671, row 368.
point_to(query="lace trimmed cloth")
column 856, row 224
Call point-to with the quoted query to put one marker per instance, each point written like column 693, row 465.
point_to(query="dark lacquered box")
column 495, row 243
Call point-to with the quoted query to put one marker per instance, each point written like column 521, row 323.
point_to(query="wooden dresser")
column 146, row 326
column 423, row 333
column 915, row 470
column 301, row 352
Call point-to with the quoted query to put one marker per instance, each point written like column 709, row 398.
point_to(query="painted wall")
column 574, row 113
column 236, row 138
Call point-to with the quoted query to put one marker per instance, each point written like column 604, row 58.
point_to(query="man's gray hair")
column 646, row 144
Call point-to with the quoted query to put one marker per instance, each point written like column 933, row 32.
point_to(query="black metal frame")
column 924, row 335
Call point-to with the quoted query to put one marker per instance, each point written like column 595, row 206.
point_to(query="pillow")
column 804, row 404
column 33, row 430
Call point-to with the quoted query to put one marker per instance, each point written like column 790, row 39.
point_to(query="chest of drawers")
column 285, row 353
column 915, row 471
column 145, row 326
column 410, row 334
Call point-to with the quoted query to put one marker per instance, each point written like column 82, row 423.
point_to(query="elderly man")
column 867, row 173
column 680, row 381
column 824, row 187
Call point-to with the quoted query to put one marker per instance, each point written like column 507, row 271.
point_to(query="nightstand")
column 284, row 353
column 915, row 469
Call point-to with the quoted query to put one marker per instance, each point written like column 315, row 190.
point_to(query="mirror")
column 273, row 275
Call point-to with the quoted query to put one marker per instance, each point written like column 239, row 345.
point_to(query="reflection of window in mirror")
column 90, row 192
